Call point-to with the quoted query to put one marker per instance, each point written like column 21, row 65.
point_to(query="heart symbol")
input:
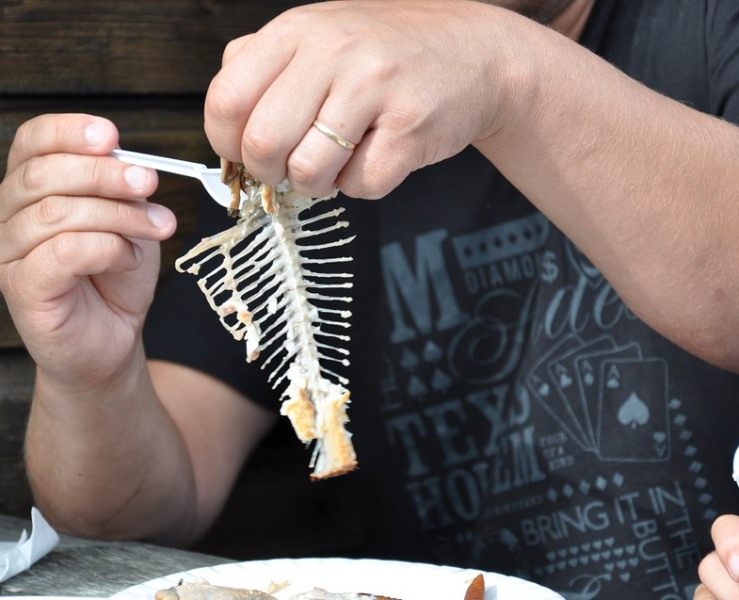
column 633, row 412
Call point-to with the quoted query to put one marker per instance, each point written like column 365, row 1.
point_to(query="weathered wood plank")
column 16, row 382
column 121, row 47
column 171, row 127
column 9, row 337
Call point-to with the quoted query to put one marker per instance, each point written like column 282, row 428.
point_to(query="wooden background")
column 146, row 64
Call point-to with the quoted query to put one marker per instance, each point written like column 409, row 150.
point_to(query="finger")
column 234, row 47
column 703, row 593
column 336, row 133
column 379, row 164
column 39, row 177
column 232, row 94
column 314, row 165
column 716, row 578
column 55, row 215
column 75, row 133
column 51, row 269
column 725, row 534
column 280, row 120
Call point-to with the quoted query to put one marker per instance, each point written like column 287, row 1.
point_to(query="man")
column 519, row 400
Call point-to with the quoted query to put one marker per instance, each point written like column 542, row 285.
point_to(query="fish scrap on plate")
column 202, row 590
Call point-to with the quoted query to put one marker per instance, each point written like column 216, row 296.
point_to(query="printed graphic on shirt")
column 509, row 361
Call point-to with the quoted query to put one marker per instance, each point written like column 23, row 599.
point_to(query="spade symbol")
column 633, row 412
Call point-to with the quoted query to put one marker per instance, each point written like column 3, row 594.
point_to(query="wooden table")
column 78, row 567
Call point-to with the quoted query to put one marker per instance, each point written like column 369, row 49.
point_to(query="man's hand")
column 401, row 80
column 79, row 256
column 719, row 571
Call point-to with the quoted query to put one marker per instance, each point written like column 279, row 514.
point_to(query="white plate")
column 405, row 580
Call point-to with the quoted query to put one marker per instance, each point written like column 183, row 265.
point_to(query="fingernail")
column 95, row 133
column 159, row 216
column 136, row 177
column 734, row 566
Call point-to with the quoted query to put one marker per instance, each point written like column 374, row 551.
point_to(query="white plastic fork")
column 209, row 177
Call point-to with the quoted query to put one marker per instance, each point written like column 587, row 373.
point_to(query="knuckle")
column 223, row 100
column 350, row 187
column 23, row 133
column 291, row 19
column 51, row 211
column 260, row 144
column 28, row 130
column 98, row 171
column 302, row 169
column 378, row 68
column 231, row 49
column 61, row 247
column 32, row 174
column 366, row 187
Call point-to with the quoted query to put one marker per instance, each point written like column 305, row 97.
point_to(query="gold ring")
column 343, row 142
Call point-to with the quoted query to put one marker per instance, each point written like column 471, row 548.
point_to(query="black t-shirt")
column 510, row 413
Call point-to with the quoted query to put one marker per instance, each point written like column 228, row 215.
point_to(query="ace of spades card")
column 633, row 415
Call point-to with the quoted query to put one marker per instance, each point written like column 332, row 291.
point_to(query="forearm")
column 645, row 186
column 109, row 462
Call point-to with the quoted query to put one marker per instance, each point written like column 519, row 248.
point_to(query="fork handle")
column 160, row 163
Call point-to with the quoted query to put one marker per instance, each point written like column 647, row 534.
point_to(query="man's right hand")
column 79, row 254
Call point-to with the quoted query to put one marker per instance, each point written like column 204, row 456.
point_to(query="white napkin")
column 17, row 557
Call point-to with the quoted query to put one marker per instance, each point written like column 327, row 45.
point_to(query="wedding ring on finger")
column 332, row 135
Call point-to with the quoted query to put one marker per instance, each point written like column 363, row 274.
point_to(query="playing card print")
column 564, row 374
column 607, row 398
column 633, row 419
column 544, row 386
column 589, row 369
